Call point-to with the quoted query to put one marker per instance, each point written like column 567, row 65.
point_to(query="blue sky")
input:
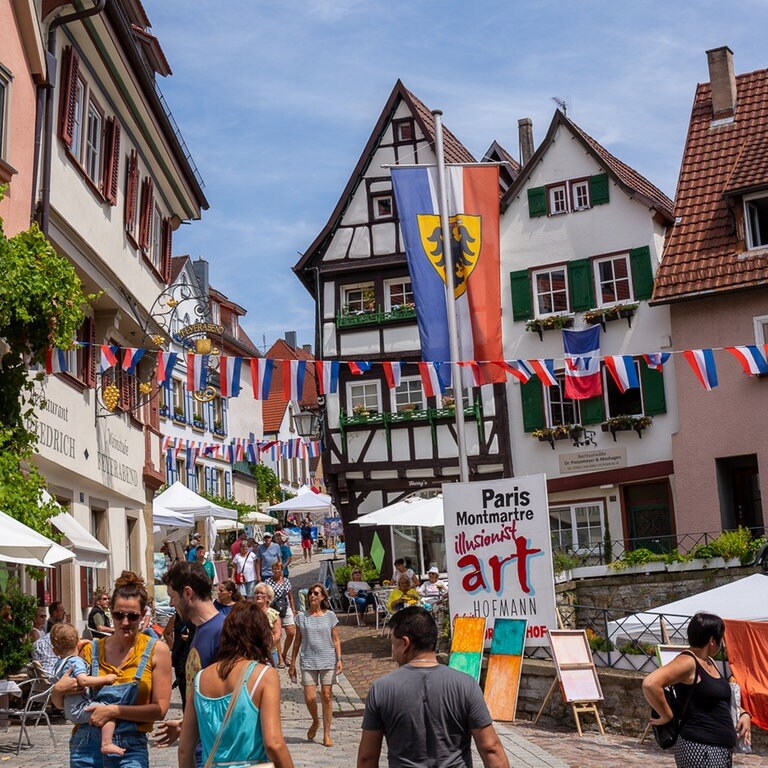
column 276, row 99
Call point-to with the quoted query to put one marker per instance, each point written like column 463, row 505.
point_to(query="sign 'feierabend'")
column 499, row 552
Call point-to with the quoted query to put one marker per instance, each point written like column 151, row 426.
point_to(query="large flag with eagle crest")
column 473, row 209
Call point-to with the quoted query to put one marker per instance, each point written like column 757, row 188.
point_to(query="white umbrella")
column 418, row 512
column 252, row 518
column 20, row 544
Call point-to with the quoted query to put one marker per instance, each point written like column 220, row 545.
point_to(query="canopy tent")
column 20, row 544
column 745, row 599
column 186, row 506
column 306, row 500
column 415, row 511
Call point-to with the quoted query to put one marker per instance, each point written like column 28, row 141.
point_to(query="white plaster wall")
column 383, row 238
column 360, row 343
column 403, row 338
column 329, row 340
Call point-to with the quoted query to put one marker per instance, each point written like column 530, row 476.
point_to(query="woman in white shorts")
column 318, row 646
column 283, row 603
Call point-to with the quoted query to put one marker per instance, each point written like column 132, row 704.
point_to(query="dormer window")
column 756, row 217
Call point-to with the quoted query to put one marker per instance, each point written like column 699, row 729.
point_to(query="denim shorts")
column 85, row 750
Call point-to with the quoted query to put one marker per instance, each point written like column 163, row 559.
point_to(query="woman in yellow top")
column 141, row 693
column 404, row 595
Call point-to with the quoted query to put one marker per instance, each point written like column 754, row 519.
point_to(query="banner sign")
column 499, row 553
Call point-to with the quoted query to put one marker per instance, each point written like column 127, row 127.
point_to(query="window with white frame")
column 756, row 218
column 613, row 280
column 383, row 207
column 363, row 395
column 215, row 312
column 5, row 89
column 93, row 135
column 181, row 470
column 580, row 195
column 629, row 403
column 357, row 298
column 761, row 329
column 178, row 398
column 558, row 199
column 403, row 130
column 200, row 477
column 576, row 526
column 561, row 409
column 409, row 395
column 398, row 293
column 156, row 243
column 551, row 291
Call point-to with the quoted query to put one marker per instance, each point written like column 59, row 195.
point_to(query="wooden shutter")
column 537, row 201
column 123, row 384
column 652, row 382
column 592, row 410
column 227, row 485
column 131, row 192
column 598, row 189
column 522, row 304
column 642, row 272
column 533, row 405
column 68, row 96
column 111, row 160
column 580, row 285
column 145, row 215
column 167, row 249
column 91, row 352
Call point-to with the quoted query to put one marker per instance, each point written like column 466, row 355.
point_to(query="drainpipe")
column 47, row 139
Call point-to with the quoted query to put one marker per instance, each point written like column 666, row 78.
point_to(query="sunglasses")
column 316, row 592
column 121, row 615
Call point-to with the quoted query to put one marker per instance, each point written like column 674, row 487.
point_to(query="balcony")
column 353, row 319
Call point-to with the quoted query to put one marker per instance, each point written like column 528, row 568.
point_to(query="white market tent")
column 745, row 599
column 306, row 500
column 180, row 506
column 20, row 544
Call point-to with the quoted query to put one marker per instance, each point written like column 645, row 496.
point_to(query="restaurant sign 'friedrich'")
column 499, row 552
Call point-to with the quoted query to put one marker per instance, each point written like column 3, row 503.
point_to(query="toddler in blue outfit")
column 78, row 706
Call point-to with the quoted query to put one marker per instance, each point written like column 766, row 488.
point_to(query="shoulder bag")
column 240, row 575
column 666, row 735
column 235, row 695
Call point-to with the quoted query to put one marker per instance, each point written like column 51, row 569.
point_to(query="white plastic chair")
column 382, row 609
column 35, row 709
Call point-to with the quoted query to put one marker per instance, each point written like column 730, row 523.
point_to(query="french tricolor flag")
column 545, row 370
column 357, row 368
column 655, row 360
column 229, row 374
column 473, row 367
column 327, row 376
column 392, row 373
column 197, row 372
column 702, row 361
column 293, row 379
column 582, row 363
column 751, row 359
column 131, row 357
column 431, row 379
column 108, row 357
column 517, row 368
column 261, row 376
column 313, row 449
column 56, row 361
column 166, row 361
column 622, row 369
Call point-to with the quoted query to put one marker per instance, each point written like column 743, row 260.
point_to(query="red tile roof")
column 703, row 252
column 273, row 409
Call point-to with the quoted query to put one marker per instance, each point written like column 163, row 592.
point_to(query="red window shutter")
column 167, row 249
column 131, row 192
column 111, row 160
column 145, row 217
column 68, row 97
column 92, row 354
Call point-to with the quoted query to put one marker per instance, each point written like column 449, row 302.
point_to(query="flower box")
column 551, row 323
column 603, row 316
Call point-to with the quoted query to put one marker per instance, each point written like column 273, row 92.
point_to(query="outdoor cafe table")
column 7, row 687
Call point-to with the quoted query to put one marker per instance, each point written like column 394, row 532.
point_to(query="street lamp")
column 307, row 423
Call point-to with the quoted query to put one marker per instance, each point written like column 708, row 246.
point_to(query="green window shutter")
column 537, row 201
column 652, row 383
column 592, row 410
column 642, row 273
column 533, row 405
column 598, row 189
column 522, row 304
column 582, row 296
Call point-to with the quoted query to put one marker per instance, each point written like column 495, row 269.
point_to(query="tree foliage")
column 42, row 304
column 267, row 484
column 18, row 613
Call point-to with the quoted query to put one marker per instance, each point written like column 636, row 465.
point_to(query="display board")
column 665, row 653
column 499, row 552
column 574, row 665
column 467, row 645
column 505, row 664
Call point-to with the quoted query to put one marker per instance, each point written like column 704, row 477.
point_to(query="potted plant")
column 549, row 323
column 550, row 434
column 606, row 314
column 449, row 403
column 197, row 421
column 407, row 410
column 369, row 300
column 178, row 414
column 625, row 423
column 164, row 410
column 218, row 426
column 361, row 411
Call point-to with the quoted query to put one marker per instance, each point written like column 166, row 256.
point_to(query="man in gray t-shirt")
column 426, row 711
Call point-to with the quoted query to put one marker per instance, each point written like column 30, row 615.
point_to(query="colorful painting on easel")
column 505, row 663
column 467, row 645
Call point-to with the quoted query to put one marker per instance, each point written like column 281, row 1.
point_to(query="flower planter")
column 539, row 326
column 592, row 572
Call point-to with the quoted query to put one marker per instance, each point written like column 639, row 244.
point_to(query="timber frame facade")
column 382, row 444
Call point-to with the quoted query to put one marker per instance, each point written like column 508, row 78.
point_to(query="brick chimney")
column 525, row 133
column 722, row 81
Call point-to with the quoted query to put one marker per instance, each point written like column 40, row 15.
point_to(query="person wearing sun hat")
column 434, row 587
column 267, row 554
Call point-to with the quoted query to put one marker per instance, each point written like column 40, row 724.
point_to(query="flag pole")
column 450, row 300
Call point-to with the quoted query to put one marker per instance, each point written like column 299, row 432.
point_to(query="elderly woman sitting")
column 359, row 590
column 404, row 595
column 433, row 588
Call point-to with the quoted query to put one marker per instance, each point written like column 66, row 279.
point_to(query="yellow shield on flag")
column 465, row 241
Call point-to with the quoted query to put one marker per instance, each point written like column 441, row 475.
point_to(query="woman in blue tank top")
column 253, row 732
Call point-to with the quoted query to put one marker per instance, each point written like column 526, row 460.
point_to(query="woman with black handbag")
column 706, row 736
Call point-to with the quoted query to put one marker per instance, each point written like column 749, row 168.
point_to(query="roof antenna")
column 562, row 104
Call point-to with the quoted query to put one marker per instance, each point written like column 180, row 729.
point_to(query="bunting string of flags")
column 581, row 364
column 242, row 449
